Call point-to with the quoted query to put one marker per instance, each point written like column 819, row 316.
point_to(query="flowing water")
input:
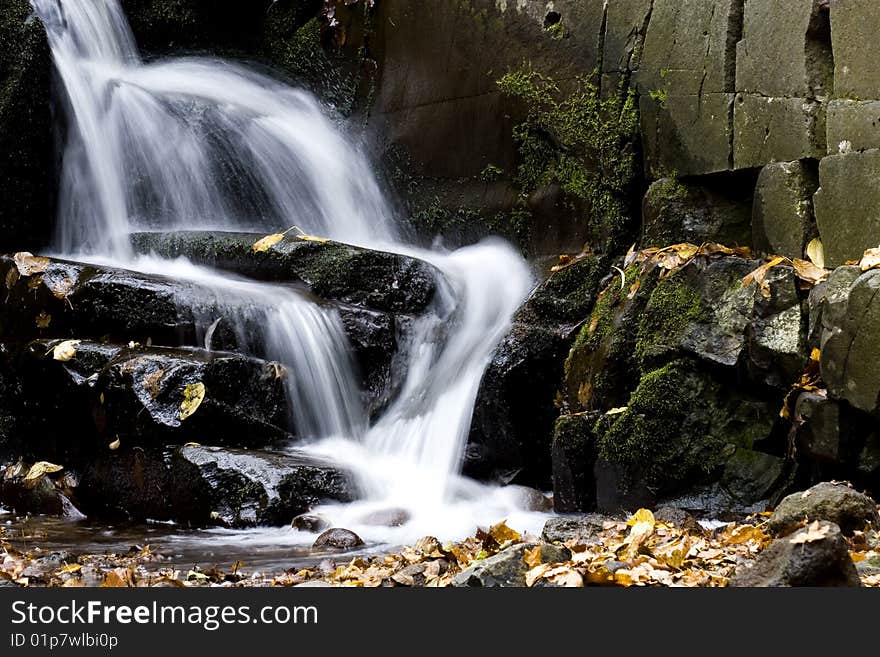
column 204, row 144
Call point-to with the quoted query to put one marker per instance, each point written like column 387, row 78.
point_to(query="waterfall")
column 204, row 144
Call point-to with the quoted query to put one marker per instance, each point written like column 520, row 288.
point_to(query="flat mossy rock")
column 515, row 408
column 28, row 185
column 680, row 428
column 376, row 280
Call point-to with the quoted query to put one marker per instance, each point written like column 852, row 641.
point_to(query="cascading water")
column 204, row 144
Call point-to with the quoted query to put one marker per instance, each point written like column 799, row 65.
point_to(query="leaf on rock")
column 760, row 274
column 41, row 468
column 533, row 557
column 193, row 396
column 642, row 523
column 43, row 320
column 312, row 238
column 738, row 534
column 28, row 264
column 153, row 383
column 501, row 533
column 267, row 242
column 66, row 350
column 12, row 277
column 117, row 578
column 816, row 253
column 813, row 533
column 808, row 272
column 114, row 445
column 870, row 259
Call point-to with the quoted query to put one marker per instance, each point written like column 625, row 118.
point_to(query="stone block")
column 853, row 125
column 848, row 205
column 782, row 215
column 776, row 130
column 686, row 135
column 785, row 49
column 854, row 28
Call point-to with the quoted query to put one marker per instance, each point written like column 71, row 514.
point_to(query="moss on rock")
column 673, row 305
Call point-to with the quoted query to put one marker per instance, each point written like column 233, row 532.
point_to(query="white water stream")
column 203, row 144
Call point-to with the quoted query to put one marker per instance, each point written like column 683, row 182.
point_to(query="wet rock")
column 750, row 476
column 515, row 412
column 815, row 555
column 375, row 280
column 28, row 183
column 246, row 488
column 674, row 211
column 307, row 522
column 387, row 518
column 560, row 530
column 43, row 567
column 828, row 501
column 782, row 218
column 529, row 499
column 337, row 539
column 107, row 392
column 574, row 454
column 508, row 568
column 35, row 496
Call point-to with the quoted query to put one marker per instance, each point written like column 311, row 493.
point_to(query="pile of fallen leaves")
column 640, row 551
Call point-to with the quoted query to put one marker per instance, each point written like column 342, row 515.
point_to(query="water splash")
column 203, row 144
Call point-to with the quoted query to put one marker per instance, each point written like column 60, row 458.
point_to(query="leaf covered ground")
column 640, row 551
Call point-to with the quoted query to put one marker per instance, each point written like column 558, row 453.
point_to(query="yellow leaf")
column 43, row 320
column 267, row 242
column 115, row 445
column 815, row 355
column 759, row 274
column 814, row 532
column 870, row 259
column 312, row 238
column 617, row 411
column 66, row 350
column 193, row 395
column 70, row 568
column 809, row 272
column 642, row 515
column 116, row 578
column 41, row 468
column 536, row 572
column 502, row 533
column 192, row 445
column 738, row 534
column 533, row 557
column 28, row 264
column 642, row 523
column 816, row 253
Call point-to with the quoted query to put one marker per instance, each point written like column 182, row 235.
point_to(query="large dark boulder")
column 816, row 555
column 28, row 183
column 375, row 280
column 512, row 426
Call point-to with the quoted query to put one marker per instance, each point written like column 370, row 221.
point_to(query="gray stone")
column 686, row 135
column 387, row 518
column 848, row 509
column 818, row 432
column 679, row 518
column 623, row 44
column 776, row 130
column 560, row 530
column 801, row 559
column 307, row 522
column 828, row 302
column 750, row 476
column 848, row 205
column 690, row 48
column 676, row 211
column 242, row 488
column 337, row 539
column 869, row 457
column 508, row 568
column 796, row 38
column 782, row 216
column 854, row 28
column 850, row 344
column 853, row 125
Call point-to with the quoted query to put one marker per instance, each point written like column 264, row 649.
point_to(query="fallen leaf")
column 114, row 445
column 116, row 578
column 813, row 533
column 870, row 259
column 533, row 557
column 759, row 275
column 502, row 533
column 43, row 320
column 28, row 264
column 12, row 277
column 816, row 252
column 617, row 411
column 70, row 568
column 312, row 238
column 41, row 468
column 66, row 350
column 809, row 272
column 193, row 396
column 192, row 445
column 267, row 242
column 152, row 383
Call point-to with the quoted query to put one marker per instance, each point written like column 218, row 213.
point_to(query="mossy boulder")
column 574, row 455
column 679, row 429
column 27, row 162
